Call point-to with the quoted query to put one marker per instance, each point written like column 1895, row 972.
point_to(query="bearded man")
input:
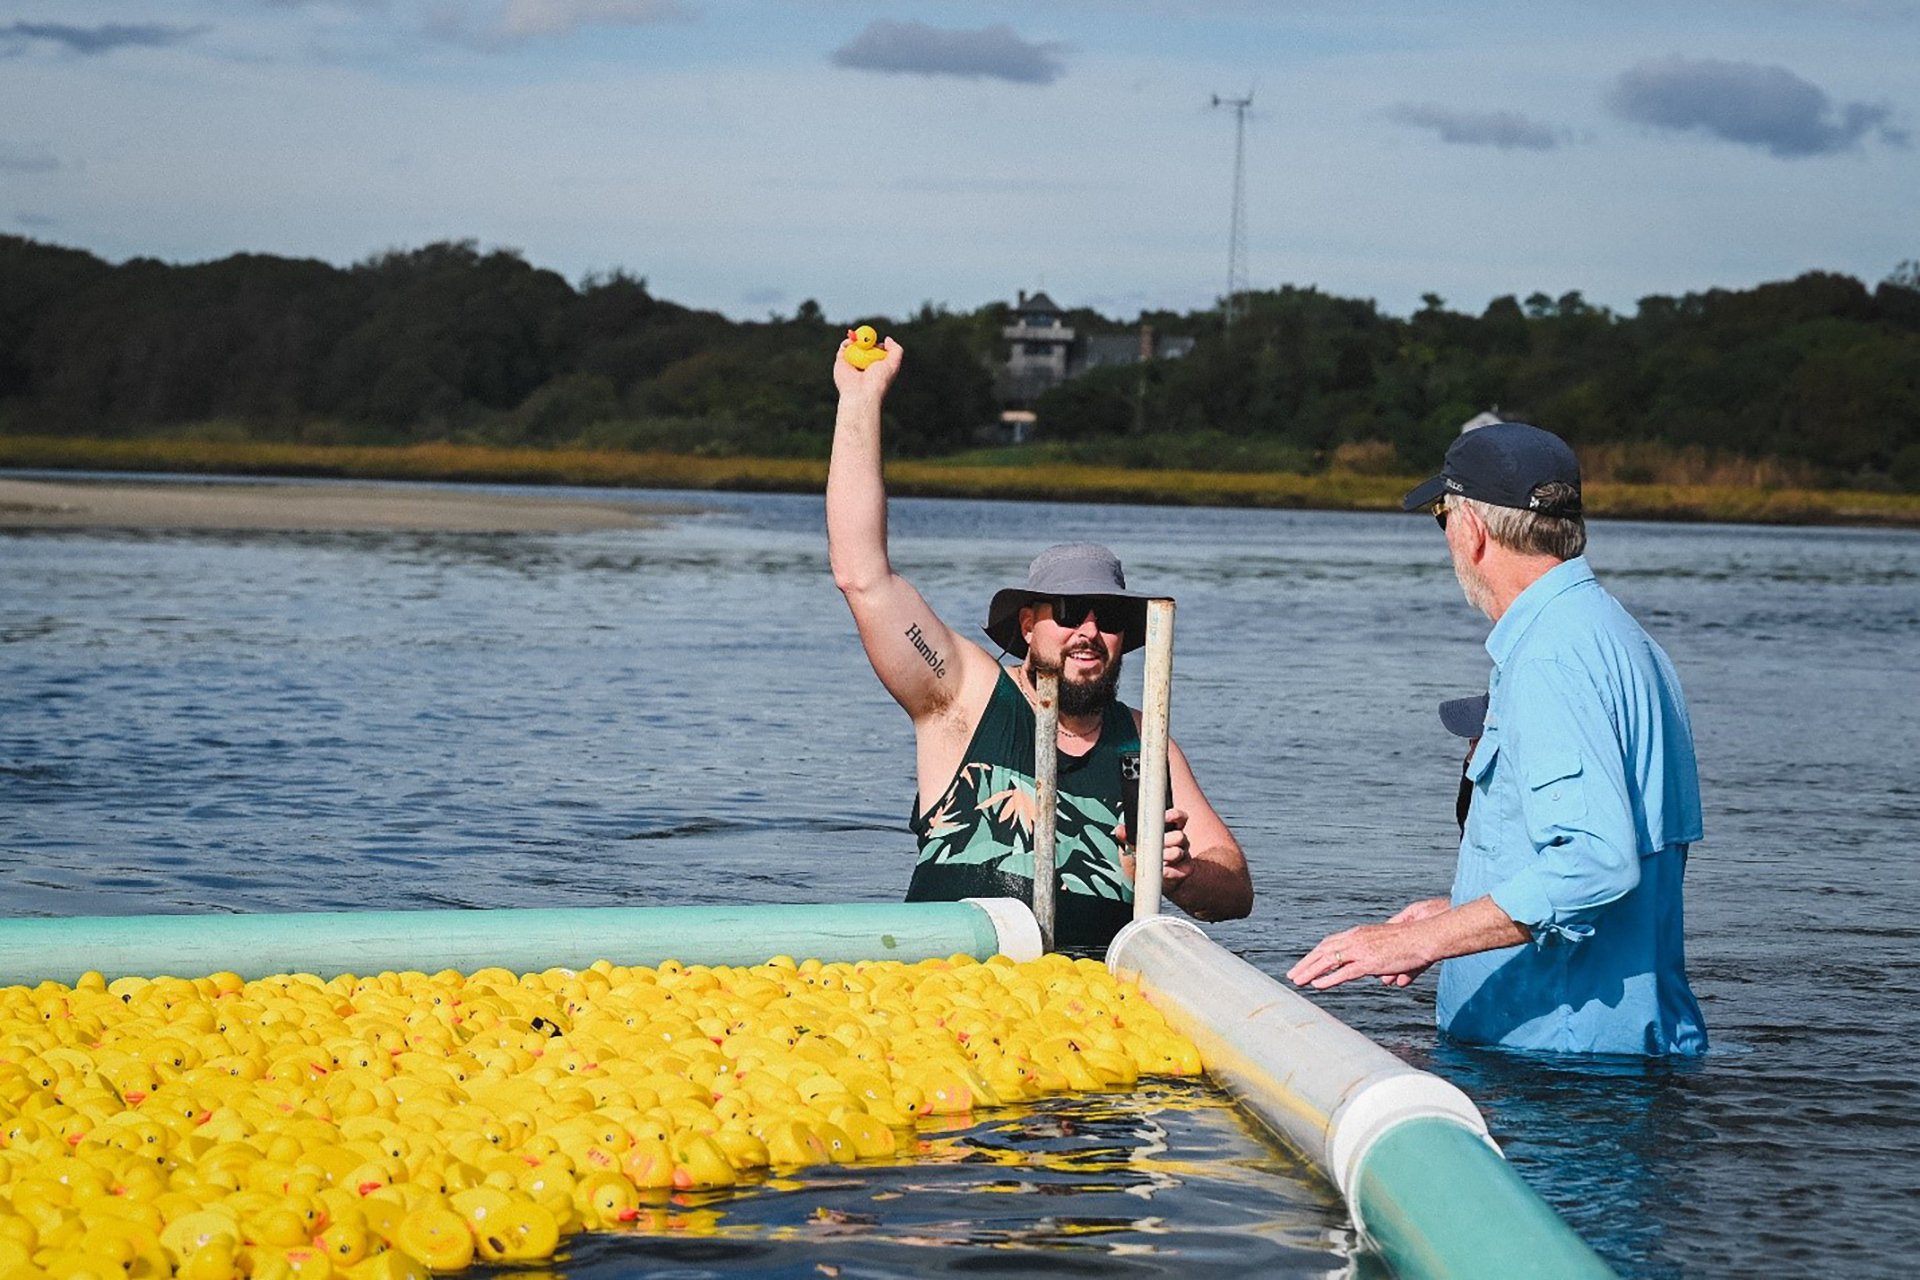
column 973, row 718
column 1564, row 931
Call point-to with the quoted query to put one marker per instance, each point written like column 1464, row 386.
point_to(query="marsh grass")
column 982, row 475
column 1653, row 463
column 465, row 463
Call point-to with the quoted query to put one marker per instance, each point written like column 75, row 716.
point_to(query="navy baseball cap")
column 1502, row 464
column 1464, row 717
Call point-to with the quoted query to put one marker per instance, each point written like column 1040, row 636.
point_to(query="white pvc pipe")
column 1155, row 712
column 1046, row 802
column 1410, row 1154
column 1322, row 1087
column 1016, row 934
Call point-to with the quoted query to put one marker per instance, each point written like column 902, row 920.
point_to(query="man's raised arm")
column 918, row 658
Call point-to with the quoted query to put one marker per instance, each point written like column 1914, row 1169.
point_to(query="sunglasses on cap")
column 1108, row 614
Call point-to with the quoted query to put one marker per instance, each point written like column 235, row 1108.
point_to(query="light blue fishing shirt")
column 1586, row 797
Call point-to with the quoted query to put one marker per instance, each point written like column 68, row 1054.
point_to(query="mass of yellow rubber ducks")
column 388, row 1127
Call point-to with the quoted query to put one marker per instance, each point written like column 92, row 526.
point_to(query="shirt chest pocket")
column 1493, row 809
column 1480, row 763
column 1555, row 795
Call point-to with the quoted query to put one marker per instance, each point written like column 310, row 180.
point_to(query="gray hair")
column 1532, row 533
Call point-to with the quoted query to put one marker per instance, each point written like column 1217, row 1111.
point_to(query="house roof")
column 1112, row 348
column 1038, row 302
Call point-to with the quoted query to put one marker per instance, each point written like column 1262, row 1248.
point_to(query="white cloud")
column 1503, row 129
column 915, row 48
column 88, row 41
column 506, row 22
column 1766, row 107
column 17, row 159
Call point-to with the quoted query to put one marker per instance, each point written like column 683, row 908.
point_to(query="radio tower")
column 1237, row 229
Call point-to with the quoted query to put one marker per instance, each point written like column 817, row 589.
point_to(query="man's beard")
column 1083, row 697
column 1475, row 587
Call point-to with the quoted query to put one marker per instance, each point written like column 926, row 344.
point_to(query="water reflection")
column 1136, row 1185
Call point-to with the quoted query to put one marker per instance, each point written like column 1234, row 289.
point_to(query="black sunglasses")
column 1109, row 615
column 1440, row 515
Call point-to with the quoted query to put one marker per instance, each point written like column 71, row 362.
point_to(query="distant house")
column 1039, row 350
column 1043, row 351
column 1101, row 349
column 1478, row 420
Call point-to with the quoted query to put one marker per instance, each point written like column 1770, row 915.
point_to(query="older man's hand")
column 1392, row 952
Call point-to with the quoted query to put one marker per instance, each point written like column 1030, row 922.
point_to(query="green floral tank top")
column 976, row 841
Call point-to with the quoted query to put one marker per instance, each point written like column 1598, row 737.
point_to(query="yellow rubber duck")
column 863, row 347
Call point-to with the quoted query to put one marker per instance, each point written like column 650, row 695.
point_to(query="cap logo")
column 1454, row 485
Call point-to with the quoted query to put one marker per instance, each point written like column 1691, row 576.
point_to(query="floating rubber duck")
column 863, row 347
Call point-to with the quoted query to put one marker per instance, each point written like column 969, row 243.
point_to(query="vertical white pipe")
column 1046, row 800
column 1155, row 711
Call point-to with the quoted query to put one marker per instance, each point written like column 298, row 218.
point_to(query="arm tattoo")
column 927, row 651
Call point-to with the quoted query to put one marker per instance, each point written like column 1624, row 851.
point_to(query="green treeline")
column 1810, row 381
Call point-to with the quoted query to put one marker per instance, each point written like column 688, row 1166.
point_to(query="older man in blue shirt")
column 1564, row 931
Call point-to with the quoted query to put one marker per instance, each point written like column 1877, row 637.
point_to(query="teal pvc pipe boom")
column 329, row 943
column 1438, row 1202
column 1408, row 1151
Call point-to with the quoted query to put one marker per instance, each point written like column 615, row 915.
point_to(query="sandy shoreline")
column 298, row 508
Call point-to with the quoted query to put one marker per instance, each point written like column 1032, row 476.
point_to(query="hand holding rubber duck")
column 863, row 347
column 865, row 368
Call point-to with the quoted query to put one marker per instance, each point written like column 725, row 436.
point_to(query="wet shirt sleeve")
column 1570, row 774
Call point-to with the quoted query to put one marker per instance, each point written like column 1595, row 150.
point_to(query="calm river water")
column 683, row 715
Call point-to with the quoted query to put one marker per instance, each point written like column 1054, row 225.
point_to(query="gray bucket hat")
column 1070, row 569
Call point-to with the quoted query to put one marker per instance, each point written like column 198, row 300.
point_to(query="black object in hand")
column 1130, row 796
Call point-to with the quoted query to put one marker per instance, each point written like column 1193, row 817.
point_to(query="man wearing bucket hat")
column 973, row 718
column 1564, row 930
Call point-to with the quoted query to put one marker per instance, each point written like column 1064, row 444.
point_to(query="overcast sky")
column 744, row 155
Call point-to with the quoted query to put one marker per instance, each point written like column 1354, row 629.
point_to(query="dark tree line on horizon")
column 449, row 342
